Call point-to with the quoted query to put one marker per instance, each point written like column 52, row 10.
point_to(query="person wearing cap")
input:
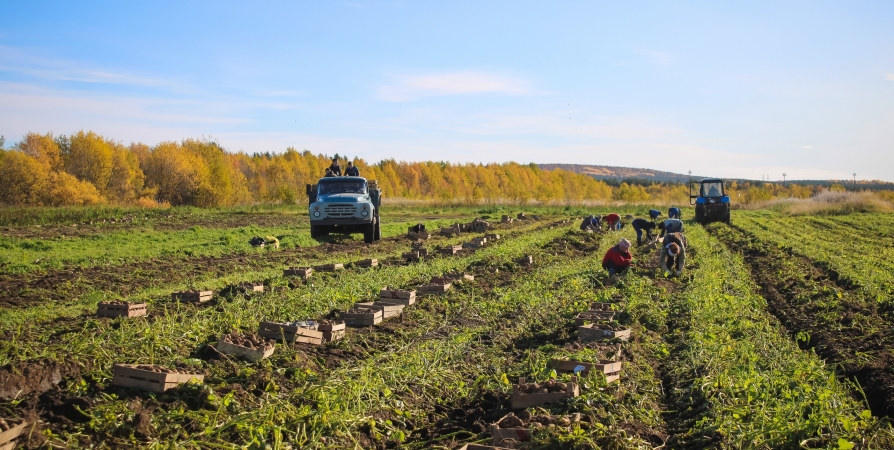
column 351, row 170
column 335, row 168
column 589, row 223
column 618, row 259
column 670, row 226
column 328, row 173
column 654, row 214
column 673, row 213
column 640, row 224
column 673, row 254
column 614, row 221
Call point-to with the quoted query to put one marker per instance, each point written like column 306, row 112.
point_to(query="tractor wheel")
column 369, row 234
column 377, row 234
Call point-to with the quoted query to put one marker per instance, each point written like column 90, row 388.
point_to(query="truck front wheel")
column 317, row 232
column 369, row 233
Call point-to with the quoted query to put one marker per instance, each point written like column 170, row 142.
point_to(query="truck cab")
column 344, row 205
column 711, row 201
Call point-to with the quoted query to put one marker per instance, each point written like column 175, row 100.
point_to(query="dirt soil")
column 793, row 299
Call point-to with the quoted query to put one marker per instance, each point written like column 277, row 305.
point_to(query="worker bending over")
column 614, row 221
column 654, row 214
column 673, row 254
column 673, row 213
column 590, row 223
column 640, row 224
column 670, row 226
column 618, row 259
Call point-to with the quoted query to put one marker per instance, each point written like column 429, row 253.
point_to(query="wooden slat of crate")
column 367, row 263
column 611, row 369
column 329, row 267
column 128, row 310
column 127, row 375
column 516, row 434
column 519, row 400
column 254, row 287
column 8, row 437
column 593, row 333
column 600, row 316
column 301, row 272
column 362, row 319
column 388, row 309
column 481, row 447
column 434, row 288
column 250, row 354
column 192, row 297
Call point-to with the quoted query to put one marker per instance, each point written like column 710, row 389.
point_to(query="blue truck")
column 344, row 205
column 711, row 202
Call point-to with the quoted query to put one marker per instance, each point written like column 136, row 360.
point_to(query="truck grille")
column 340, row 211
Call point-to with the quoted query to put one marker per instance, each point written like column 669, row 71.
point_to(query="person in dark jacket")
column 654, row 214
column 639, row 225
column 589, row 223
column 351, row 171
column 618, row 259
column 328, row 173
column 670, row 226
column 673, row 213
column 335, row 168
column 673, row 254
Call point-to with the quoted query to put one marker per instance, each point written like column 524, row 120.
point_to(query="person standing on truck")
column 328, row 173
column 640, row 224
column 351, row 171
column 590, row 223
column 673, row 213
column 618, row 259
column 673, row 254
column 335, row 168
column 614, row 221
column 670, row 226
column 654, row 214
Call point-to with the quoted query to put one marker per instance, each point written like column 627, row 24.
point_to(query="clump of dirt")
column 29, row 377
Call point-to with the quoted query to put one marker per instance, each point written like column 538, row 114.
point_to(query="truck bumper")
column 345, row 222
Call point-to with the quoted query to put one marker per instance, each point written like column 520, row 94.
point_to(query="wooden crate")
column 450, row 249
column 362, row 319
column 192, row 296
column 332, row 331
column 389, row 310
column 515, row 434
column 434, row 288
column 399, row 296
column 472, row 245
column 367, row 263
column 506, row 219
column 300, row 272
column 420, row 236
column 450, row 231
column 127, row 375
column 521, row 216
column 8, row 437
column 107, row 309
column 602, row 306
column 481, row 447
column 251, row 354
column 592, row 332
column 526, row 260
column 593, row 316
column 520, row 400
column 492, row 236
column 411, row 256
column 559, row 241
column 459, row 277
column 293, row 333
column 611, row 369
column 329, row 267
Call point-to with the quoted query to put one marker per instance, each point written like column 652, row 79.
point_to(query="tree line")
column 86, row 168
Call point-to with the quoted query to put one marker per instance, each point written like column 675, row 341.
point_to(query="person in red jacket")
column 614, row 221
column 618, row 259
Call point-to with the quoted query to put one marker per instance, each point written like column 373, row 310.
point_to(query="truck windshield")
column 342, row 187
column 712, row 189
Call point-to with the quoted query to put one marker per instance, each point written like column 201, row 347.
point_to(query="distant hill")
column 619, row 173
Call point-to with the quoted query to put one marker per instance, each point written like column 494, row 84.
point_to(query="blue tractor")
column 711, row 202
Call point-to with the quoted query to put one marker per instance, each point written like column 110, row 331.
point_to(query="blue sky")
column 735, row 89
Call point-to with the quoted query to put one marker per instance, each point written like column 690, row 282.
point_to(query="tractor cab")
column 711, row 200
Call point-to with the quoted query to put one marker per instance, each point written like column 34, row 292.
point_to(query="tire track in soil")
column 46, row 381
column 838, row 343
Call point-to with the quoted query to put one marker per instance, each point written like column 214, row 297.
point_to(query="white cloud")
column 20, row 62
column 889, row 76
column 412, row 87
column 808, row 146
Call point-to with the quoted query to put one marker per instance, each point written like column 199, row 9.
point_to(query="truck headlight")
column 364, row 213
column 316, row 214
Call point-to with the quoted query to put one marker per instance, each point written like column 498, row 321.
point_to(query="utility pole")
column 783, row 178
column 855, row 181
